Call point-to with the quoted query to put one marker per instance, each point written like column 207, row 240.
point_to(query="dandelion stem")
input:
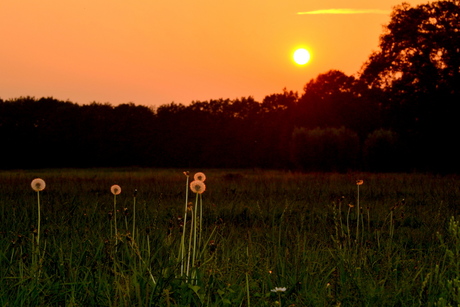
column 38, row 220
column 357, row 217
column 201, row 223
column 194, row 230
column 115, row 216
column 37, row 185
column 37, row 250
column 115, row 189
column 184, row 226
column 190, row 245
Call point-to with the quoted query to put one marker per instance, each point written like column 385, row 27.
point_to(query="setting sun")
column 301, row 56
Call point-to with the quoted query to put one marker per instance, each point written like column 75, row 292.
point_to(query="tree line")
column 397, row 114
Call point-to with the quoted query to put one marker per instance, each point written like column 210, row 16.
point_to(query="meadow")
column 252, row 238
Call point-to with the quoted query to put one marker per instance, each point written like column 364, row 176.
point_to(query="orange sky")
column 154, row 52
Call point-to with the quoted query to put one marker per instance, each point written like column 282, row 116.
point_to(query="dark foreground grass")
column 261, row 231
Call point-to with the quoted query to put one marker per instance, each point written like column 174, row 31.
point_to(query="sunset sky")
column 154, row 52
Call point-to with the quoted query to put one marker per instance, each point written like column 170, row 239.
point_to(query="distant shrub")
column 324, row 149
column 382, row 151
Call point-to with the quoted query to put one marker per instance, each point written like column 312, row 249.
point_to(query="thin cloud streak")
column 345, row 11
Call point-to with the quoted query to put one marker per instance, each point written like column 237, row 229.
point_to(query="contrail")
column 345, row 11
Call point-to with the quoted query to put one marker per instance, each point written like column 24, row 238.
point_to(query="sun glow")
column 301, row 56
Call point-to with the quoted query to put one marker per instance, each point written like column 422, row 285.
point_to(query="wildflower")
column 197, row 186
column 38, row 184
column 359, row 182
column 279, row 289
column 186, row 173
column 189, row 206
column 115, row 189
column 200, row 176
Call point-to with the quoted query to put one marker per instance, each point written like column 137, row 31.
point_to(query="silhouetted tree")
column 228, row 131
column 419, row 50
column 326, row 100
column 173, row 135
column 277, row 116
column 57, row 133
column 134, row 135
column 417, row 70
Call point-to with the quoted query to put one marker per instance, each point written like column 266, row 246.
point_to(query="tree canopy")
column 419, row 50
column 416, row 73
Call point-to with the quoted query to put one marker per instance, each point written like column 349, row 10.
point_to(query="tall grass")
column 258, row 231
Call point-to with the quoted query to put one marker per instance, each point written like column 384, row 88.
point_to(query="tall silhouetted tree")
column 419, row 50
column 417, row 70
column 277, row 118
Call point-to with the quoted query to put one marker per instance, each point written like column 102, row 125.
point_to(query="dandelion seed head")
column 115, row 189
column 197, row 186
column 200, row 176
column 38, row 184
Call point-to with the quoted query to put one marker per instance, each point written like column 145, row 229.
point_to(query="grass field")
column 253, row 238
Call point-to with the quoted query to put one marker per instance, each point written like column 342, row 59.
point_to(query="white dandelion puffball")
column 200, row 176
column 38, row 184
column 115, row 189
column 197, row 186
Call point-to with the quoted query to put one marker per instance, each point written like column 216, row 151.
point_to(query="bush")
column 382, row 151
column 324, row 149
